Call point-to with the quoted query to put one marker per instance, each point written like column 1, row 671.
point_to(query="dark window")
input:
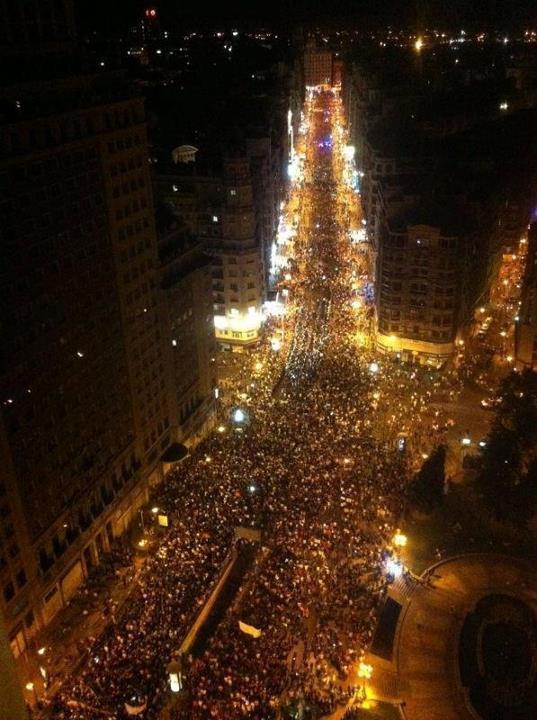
column 9, row 592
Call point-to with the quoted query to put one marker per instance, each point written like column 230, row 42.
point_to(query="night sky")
column 501, row 14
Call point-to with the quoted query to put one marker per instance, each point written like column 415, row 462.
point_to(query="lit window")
column 215, row 218
column 174, row 343
column 175, row 188
column 80, row 354
column 233, row 192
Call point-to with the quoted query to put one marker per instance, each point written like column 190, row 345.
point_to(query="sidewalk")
column 63, row 644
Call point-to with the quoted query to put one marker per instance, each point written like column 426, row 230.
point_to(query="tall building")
column 231, row 204
column 417, row 297
column 317, row 65
column 188, row 328
column 238, row 259
column 83, row 383
column 526, row 327
column 37, row 27
column 11, row 699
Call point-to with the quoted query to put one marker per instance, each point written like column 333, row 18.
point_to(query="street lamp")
column 400, row 539
column 393, row 568
column 365, row 670
column 175, row 676
column 31, row 688
column 239, row 416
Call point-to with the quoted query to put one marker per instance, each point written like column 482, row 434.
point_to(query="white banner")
column 249, row 629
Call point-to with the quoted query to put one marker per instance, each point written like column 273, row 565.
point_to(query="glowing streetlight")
column 418, row 45
column 275, row 344
column 374, row 368
column 393, row 568
column 154, row 510
column 31, row 688
column 400, row 539
column 365, row 670
column 466, row 441
column 221, row 429
column 175, row 676
column 239, row 416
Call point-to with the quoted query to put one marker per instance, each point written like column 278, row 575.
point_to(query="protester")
column 317, row 469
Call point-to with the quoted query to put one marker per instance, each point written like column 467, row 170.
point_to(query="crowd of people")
column 310, row 471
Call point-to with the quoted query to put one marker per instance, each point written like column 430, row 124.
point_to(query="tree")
column 426, row 490
column 508, row 476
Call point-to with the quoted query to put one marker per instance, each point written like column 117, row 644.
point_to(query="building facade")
column 188, row 332
column 526, row 327
column 238, row 259
column 417, row 293
column 317, row 65
column 83, row 382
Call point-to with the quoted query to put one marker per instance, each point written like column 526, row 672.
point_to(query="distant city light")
column 374, row 368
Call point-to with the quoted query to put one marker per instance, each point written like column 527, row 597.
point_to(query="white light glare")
column 394, row 568
column 239, row 415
